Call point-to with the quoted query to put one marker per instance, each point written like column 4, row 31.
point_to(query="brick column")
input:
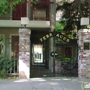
column 24, row 53
column 84, row 55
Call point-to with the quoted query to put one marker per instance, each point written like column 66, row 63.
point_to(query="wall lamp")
column 24, row 21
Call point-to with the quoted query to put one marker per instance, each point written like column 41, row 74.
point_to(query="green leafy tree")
column 7, row 5
column 59, row 26
column 72, row 12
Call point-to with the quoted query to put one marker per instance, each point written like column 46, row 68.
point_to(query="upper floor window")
column 39, row 14
column 40, row 11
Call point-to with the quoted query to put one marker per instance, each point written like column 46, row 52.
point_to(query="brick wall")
column 84, row 55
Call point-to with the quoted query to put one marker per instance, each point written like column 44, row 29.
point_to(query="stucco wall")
column 9, row 31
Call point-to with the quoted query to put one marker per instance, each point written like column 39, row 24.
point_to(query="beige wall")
column 8, row 31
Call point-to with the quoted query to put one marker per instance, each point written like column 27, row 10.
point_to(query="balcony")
column 17, row 24
column 38, row 15
column 39, row 11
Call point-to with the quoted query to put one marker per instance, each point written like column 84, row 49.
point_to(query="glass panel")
column 38, row 54
column 40, row 11
column 39, row 14
column 2, row 38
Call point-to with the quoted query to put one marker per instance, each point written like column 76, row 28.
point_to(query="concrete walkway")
column 52, row 83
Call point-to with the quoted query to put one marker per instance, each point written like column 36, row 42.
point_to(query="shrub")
column 6, row 65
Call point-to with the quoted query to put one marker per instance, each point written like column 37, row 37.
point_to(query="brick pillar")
column 24, row 53
column 84, row 55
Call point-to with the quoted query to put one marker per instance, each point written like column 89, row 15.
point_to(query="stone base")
column 22, row 74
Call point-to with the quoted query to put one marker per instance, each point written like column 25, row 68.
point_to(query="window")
column 86, row 46
column 2, row 39
column 39, row 14
column 40, row 11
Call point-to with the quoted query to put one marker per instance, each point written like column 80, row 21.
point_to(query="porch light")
column 84, row 21
column 24, row 21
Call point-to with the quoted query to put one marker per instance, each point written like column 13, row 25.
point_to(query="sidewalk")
column 52, row 83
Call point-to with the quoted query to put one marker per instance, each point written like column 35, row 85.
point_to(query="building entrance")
column 39, row 54
column 65, row 62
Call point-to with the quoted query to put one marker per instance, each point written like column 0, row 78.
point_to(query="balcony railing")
column 41, row 19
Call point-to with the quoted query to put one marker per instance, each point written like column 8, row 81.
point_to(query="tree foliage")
column 7, row 5
column 73, row 12
column 59, row 26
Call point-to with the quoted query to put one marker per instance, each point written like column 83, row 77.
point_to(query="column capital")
column 25, row 30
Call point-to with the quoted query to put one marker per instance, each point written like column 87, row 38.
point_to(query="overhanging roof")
column 32, row 24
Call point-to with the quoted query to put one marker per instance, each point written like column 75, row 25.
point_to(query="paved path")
column 56, row 83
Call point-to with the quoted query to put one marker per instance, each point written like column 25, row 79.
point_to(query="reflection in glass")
column 1, row 48
column 1, row 44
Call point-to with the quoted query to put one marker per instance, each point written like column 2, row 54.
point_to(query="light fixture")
column 24, row 21
column 84, row 21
